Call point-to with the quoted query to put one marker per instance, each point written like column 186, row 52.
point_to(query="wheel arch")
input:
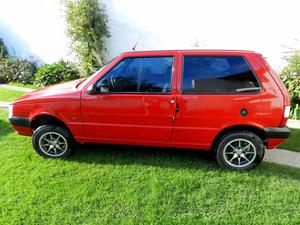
column 256, row 130
column 46, row 119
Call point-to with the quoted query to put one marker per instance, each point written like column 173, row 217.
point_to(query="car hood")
column 63, row 92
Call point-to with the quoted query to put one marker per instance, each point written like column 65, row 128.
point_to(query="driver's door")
column 133, row 101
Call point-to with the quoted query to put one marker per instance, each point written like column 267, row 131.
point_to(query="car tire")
column 52, row 141
column 239, row 151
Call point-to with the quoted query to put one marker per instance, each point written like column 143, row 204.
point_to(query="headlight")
column 10, row 111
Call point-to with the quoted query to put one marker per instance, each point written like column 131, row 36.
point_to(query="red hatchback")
column 228, row 102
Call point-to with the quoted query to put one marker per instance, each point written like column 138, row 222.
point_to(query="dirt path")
column 283, row 157
column 6, row 86
column 3, row 105
column 293, row 124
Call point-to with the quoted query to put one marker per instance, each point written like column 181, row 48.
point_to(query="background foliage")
column 17, row 70
column 56, row 73
column 88, row 31
column 25, row 71
column 290, row 75
column 3, row 49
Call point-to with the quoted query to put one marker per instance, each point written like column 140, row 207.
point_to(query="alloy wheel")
column 239, row 153
column 53, row 144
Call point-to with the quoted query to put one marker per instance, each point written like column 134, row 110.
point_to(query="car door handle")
column 177, row 108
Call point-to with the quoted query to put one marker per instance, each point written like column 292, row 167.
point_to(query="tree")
column 290, row 75
column 88, row 31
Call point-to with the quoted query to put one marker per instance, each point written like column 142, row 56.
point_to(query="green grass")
column 293, row 143
column 103, row 184
column 33, row 86
column 9, row 95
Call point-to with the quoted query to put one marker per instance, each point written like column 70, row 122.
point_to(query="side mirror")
column 91, row 89
column 103, row 89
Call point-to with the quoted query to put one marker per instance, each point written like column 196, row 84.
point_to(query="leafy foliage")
column 17, row 70
column 3, row 49
column 55, row 73
column 291, row 78
column 25, row 71
column 88, row 30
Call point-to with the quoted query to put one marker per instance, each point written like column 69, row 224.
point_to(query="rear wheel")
column 239, row 151
column 52, row 141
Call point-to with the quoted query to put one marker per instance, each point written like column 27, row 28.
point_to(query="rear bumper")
column 276, row 136
column 277, row 132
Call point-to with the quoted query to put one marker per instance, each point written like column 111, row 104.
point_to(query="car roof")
column 188, row 51
column 192, row 50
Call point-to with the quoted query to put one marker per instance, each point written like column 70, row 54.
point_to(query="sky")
column 37, row 27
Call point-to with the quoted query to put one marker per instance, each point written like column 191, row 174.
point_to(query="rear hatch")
column 282, row 88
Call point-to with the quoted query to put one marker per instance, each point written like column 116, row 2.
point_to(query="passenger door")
column 134, row 101
column 213, row 91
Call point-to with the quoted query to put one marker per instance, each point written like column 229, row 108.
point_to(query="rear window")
column 218, row 75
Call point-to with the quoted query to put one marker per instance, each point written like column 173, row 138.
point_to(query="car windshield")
column 96, row 73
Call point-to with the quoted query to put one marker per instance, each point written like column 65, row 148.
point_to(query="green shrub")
column 88, row 31
column 3, row 49
column 56, row 73
column 290, row 76
column 17, row 70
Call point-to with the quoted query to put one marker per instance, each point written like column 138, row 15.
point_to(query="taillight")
column 287, row 110
column 286, row 114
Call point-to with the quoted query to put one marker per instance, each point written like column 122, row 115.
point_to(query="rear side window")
column 218, row 75
column 139, row 75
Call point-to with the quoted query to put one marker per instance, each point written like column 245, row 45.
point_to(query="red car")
column 228, row 102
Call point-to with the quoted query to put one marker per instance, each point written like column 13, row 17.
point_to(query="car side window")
column 218, row 75
column 138, row 75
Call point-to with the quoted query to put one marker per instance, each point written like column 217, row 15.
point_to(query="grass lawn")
column 33, row 86
column 103, row 184
column 293, row 143
column 9, row 95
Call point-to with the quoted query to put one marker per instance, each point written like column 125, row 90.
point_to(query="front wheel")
column 239, row 151
column 52, row 141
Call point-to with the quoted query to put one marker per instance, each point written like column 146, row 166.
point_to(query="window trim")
column 219, row 93
column 146, row 93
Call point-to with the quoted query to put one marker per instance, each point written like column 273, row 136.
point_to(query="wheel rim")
column 53, row 144
column 239, row 153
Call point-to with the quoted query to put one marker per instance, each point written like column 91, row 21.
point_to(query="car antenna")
column 133, row 49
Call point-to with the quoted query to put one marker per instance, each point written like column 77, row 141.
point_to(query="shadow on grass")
column 147, row 156
column 168, row 158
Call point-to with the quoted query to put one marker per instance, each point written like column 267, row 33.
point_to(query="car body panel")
column 165, row 120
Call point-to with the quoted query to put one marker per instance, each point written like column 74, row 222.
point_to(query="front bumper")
column 21, row 125
column 277, row 132
column 19, row 121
